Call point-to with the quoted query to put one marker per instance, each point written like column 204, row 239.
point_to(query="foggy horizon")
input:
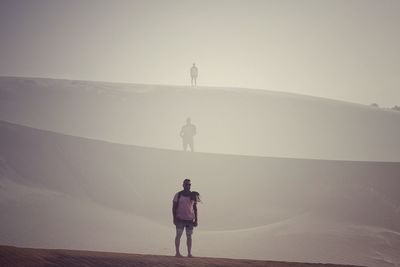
column 343, row 50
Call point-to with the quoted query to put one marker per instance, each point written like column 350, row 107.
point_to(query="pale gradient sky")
column 343, row 49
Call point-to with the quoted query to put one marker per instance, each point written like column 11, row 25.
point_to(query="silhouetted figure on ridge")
column 194, row 72
column 184, row 212
column 187, row 133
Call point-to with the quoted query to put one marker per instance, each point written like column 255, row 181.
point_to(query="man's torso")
column 185, row 210
column 193, row 71
column 189, row 130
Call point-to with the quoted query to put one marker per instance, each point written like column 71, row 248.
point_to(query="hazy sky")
column 343, row 49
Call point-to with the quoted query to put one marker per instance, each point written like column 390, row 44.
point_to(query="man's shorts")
column 181, row 224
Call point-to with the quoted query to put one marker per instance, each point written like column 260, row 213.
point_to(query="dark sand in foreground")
column 21, row 257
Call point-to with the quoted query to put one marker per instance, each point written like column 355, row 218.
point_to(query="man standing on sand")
column 187, row 133
column 194, row 72
column 184, row 212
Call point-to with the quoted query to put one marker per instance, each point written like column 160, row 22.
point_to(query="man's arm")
column 195, row 214
column 174, row 207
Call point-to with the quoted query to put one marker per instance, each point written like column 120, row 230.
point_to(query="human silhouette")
column 194, row 72
column 184, row 212
column 187, row 133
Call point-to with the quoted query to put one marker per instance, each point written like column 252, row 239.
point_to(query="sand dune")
column 94, row 166
column 229, row 120
column 25, row 257
column 75, row 193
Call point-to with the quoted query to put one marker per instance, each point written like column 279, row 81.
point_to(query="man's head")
column 188, row 120
column 186, row 184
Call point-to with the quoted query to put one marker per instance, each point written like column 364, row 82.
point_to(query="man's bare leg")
column 189, row 244
column 191, row 146
column 178, row 241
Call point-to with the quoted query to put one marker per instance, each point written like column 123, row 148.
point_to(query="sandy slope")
column 25, row 257
column 61, row 191
column 69, row 192
column 229, row 120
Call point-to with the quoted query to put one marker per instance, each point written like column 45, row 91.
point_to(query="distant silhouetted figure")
column 194, row 72
column 187, row 133
column 184, row 212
